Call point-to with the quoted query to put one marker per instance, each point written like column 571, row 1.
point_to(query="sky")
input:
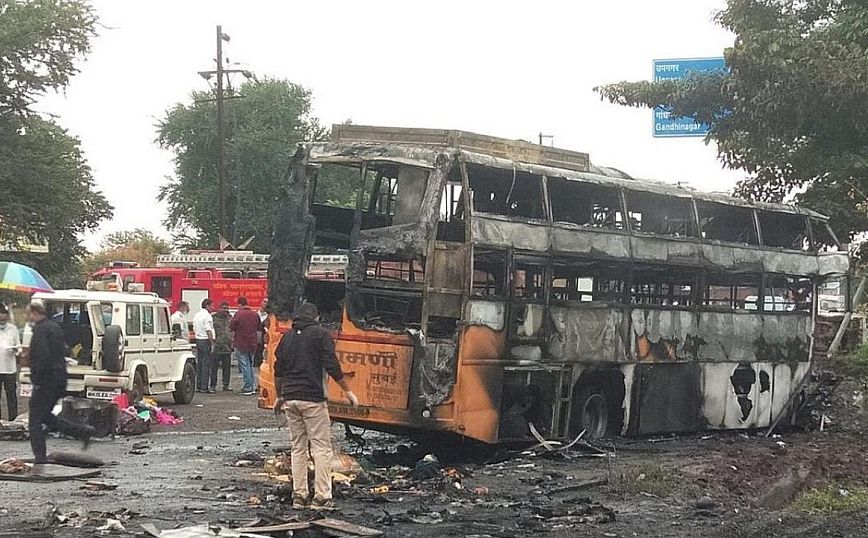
column 509, row 69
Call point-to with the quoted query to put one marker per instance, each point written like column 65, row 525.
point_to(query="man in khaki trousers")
column 305, row 355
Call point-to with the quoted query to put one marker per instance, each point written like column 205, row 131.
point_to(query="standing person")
column 180, row 327
column 10, row 344
column 302, row 356
column 222, row 347
column 245, row 326
column 48, row 375
column 203, row 332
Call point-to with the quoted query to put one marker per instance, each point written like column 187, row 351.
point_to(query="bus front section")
column 396, row 216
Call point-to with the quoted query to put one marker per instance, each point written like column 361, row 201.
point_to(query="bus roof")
column 420, row 147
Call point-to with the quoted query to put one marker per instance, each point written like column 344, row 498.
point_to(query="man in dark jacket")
column 222, row 352
column 48, row 375
column 303, row 357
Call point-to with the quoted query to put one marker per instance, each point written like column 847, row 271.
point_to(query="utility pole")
column 221, row 133
column 220, row 91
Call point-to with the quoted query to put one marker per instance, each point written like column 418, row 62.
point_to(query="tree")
column 265, row 122
column 791, row 111
column 39, row 43
column 49, row 194
column 137, row 245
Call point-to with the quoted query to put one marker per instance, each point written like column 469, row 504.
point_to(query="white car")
column 119, row 342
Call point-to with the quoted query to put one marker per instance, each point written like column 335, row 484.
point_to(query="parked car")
column 119, row 342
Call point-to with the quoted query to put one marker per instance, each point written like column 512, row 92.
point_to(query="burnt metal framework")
column 648, row 275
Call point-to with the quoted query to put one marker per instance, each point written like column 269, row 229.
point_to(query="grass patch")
column 853, row 364
column 832, row 500
column 649, row 478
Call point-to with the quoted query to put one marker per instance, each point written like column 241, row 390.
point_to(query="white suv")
column 120, row 342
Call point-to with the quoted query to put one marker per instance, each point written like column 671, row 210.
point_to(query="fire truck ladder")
column 231, row 259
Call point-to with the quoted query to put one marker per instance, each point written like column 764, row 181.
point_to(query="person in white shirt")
column 179, row 321
column 10, row 344
column 203, row 333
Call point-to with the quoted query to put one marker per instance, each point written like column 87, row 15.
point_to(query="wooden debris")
column 346, row 527
column 293, row 526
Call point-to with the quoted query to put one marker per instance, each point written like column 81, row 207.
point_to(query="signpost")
column 665, row 125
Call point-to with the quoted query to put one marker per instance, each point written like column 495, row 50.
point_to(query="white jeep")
column 119, row 342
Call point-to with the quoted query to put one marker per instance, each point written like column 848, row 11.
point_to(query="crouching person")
column 303, row 354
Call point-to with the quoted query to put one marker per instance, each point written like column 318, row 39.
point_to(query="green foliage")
column 137, row 245
column 791, row 111
column 264, row 124
column 853, row 365
column 39, row 43
column 832, row 500
column 49, row 194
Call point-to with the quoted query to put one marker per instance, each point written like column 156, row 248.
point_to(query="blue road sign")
column 665, row 124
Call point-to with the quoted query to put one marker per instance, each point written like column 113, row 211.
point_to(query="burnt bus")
column 492, row 284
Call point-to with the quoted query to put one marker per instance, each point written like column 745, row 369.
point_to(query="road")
column 187, row 474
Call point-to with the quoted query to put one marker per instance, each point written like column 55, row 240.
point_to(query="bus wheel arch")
column 597, row 403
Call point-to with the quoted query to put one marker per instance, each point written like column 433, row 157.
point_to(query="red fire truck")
column 216, row 275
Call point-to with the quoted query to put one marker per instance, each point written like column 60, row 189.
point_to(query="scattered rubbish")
column 283, row 527
column 136, row 418
column 13, row 431
column 101, row 415
column 14, row 466
column 427, row 467
column 199, row 531
column 104, row 522
column 75, row 459
column 233, row 417
column 112, row 525
column 480, row 490
column 581, row 486
column 345, row 527
column 47, row 473
column 98, row 486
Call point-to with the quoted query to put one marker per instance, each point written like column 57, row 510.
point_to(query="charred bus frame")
column 492, row 283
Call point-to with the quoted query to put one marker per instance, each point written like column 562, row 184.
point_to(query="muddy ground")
column 726, row 485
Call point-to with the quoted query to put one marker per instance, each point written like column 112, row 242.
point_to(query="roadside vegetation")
column 832, row 499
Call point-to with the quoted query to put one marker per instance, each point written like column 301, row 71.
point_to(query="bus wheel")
column 590, row 413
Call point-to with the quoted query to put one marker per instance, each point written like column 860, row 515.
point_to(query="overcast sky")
column 509, row 69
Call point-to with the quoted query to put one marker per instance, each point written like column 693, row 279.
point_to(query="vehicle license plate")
column 97, row 394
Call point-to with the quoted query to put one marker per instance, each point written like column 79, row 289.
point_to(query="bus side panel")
column 479, row 387
column 693, row 396
column 378, row 373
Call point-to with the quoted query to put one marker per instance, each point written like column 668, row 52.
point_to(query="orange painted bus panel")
column 378, row 373
column 480, row 383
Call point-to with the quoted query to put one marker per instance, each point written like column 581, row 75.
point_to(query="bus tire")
column 112, row 358
column 185, row 389
column 590, row 412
